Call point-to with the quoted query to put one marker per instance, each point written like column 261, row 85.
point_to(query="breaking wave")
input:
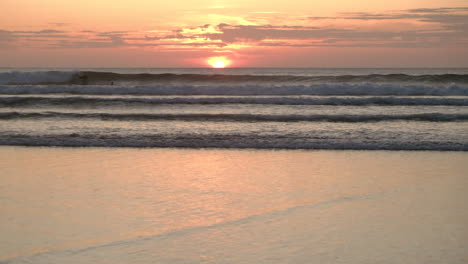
column 350, row 89
column 221, row 141
column 13, row 101
column 429, row 117
column 431, row 112
column 107, row 78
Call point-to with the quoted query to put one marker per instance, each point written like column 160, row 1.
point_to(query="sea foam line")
column 350, row 89
column 428, row 117
column 12, row 101
column 224, row 141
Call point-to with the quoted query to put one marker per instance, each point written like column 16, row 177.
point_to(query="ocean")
column 233, row 166
column 259, row 108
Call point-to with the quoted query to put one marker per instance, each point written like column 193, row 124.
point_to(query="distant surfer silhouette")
column 83, row 79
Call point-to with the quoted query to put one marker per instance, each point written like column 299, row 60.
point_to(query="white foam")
column 353, row 118
column 351, row 89
column 225, row 141
column 265, row 100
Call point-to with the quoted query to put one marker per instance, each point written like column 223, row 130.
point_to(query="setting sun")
column 218, row 62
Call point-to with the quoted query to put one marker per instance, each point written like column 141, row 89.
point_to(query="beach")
column 167, row 205
column 233, row 132
column 238, row 165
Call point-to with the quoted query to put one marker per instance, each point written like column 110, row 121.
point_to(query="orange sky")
column 250, row 33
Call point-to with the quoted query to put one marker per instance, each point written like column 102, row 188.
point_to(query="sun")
column 219, row 62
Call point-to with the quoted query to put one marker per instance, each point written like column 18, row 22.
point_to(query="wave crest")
column 350, row 89
column 13, row 101
column 221, row 141
column 429, row 117
column 107, row 78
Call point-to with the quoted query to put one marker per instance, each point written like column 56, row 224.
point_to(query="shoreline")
column 63, row 200
column 234, row 148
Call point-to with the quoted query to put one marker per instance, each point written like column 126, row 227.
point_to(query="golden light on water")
column 219, row 62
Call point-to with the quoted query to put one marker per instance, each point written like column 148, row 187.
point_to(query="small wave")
column 429, row 117
column 338, row 89
column 93, row 77
column 222, row 141
column 278, row 100
column 108, row 77
column 18, row 77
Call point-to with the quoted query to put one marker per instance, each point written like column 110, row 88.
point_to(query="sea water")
column 386, row 109
column 339, row 197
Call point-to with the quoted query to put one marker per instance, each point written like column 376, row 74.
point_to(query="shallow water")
column 88, row 205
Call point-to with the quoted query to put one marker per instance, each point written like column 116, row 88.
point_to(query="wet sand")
column 112, row 205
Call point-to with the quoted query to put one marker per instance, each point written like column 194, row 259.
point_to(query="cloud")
column 423, row 27
column 6, row 39
column 449, row 18
column 39, row 32
column 58, row 24
column 438, row 26
column 18, row 35
column 438, row 10
column 232, row 33
column 6, row 36
column 455, row 18
column 64, row 44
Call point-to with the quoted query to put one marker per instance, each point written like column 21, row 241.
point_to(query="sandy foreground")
column 101, row 205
